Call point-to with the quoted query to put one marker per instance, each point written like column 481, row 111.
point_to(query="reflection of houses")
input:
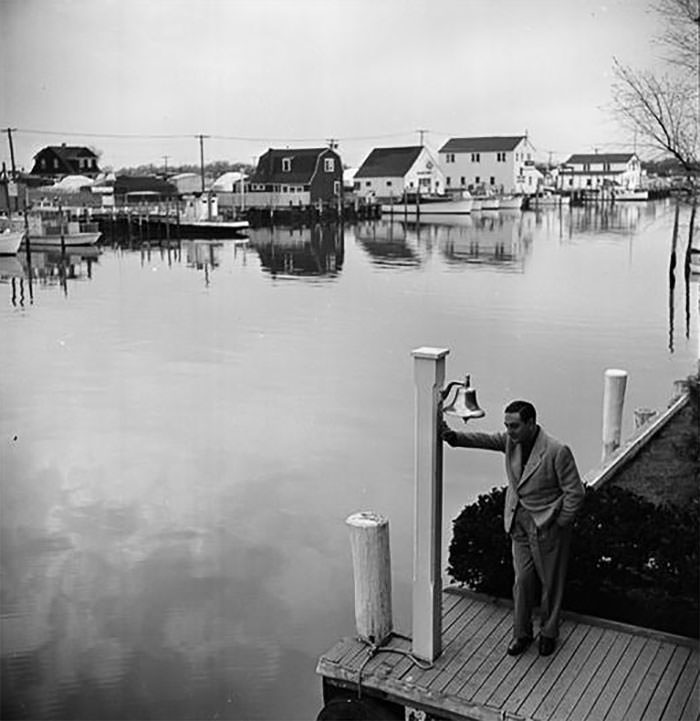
column 296, row 177
column 55, row 161
column 503, row 163
column 388, row 243
column 388, row 172
column 598, row 170
column 292, row 252
column 500, row 240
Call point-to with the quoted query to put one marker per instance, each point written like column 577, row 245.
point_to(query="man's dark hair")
column 524, row 409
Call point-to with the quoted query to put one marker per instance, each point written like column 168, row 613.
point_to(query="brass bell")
column 464, row 404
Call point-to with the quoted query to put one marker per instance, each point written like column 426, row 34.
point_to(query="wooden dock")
column 600, row 670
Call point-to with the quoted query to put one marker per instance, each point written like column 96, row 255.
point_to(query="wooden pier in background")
column 600, row 670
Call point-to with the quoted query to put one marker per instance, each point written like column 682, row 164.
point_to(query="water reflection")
column 300, row 252
column 46, row 267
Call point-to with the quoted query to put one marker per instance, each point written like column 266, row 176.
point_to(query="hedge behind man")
column 543, row 495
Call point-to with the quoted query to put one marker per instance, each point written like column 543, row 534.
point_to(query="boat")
column 51, row 227
column 490, row 202
column 10, row 240
column 510, row 202
column 547, row 198
column 619, row 194
column 200, row 219
column 433, row 205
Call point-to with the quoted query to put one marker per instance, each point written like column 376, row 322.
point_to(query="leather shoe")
column 518, row 645
column 547, row 646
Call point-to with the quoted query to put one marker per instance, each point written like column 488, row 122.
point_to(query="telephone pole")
column 201, row 157
column 9, row 132
column 421, row 133
column 165, row 161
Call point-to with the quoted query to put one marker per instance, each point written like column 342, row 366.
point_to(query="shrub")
column 631, row 561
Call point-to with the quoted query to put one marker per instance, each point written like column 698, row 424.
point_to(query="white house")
column 500, row 163
column 387, row 172
column 600, row 170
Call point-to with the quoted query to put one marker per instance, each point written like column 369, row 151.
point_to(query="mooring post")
column 613, row 401
column 371, row 563
column 429, row 373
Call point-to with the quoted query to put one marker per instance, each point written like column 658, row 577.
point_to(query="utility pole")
column 332, row 143
column 201, row 157
column 165, row 161
column 9, row 132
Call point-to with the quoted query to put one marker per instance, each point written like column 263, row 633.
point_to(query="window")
column 586, row 167
column 588, row 182
column 285, row 189
column 329, row 164
column 571, row 182
column 448, row 180
column 388, row 182
column 477, row 180
column 606, row 166
column 462, row 181
column 492, row 180
column 368, row 183
column 286, row 165
column 450, row 158
column 55, row 163
column 336, row 187
column 43, row 163
column 476, row 157
column 500, row 157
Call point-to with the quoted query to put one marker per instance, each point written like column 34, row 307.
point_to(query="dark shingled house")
column 56, row 161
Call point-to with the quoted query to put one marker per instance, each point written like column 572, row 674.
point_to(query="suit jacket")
column 549, row 486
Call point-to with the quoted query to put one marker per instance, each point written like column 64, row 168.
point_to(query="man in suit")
column 543, row 495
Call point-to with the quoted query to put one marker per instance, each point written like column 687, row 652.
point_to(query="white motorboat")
column 51, row 227
column 510, row 202
column 630, row 194
column 547, row 199
column 490, row 202
column 10, row 240
column 430, row 205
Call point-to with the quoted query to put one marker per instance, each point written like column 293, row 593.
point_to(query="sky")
column 139, row 80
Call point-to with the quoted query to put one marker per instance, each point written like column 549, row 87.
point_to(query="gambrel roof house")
column 296, row 177
column 59, row 160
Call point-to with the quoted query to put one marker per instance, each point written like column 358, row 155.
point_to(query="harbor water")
column 186, row 425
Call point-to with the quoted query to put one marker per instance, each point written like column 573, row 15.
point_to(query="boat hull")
column 462, row 206
column 10, row 241
column 630, row 195
column 69, row 240
column 234, row 229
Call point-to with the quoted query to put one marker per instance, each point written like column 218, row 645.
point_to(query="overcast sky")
column 254, row 74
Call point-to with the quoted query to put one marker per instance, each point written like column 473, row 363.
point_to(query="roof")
column 69, row 151
column 599, row 158
column 389, row 162
column 142, row 184
column 488, row 144
column 303, row 166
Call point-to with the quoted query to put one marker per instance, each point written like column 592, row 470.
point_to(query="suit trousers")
column 540, row 557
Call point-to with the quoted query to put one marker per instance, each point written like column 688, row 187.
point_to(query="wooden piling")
column 613, row 402
column 371, row 561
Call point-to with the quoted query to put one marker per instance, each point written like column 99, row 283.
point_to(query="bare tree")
column 662, row 108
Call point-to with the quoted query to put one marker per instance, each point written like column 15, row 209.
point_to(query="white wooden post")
column 371, row 562
column 613, row 402
column 429, row 369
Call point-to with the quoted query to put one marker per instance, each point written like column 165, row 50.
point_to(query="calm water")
column 184, row 430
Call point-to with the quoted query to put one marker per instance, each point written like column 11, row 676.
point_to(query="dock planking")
column 600, row 669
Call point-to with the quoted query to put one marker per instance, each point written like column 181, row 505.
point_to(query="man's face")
column 518, row 430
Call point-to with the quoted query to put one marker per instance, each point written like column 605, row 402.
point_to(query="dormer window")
column 329, row 164
column 286, row 165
